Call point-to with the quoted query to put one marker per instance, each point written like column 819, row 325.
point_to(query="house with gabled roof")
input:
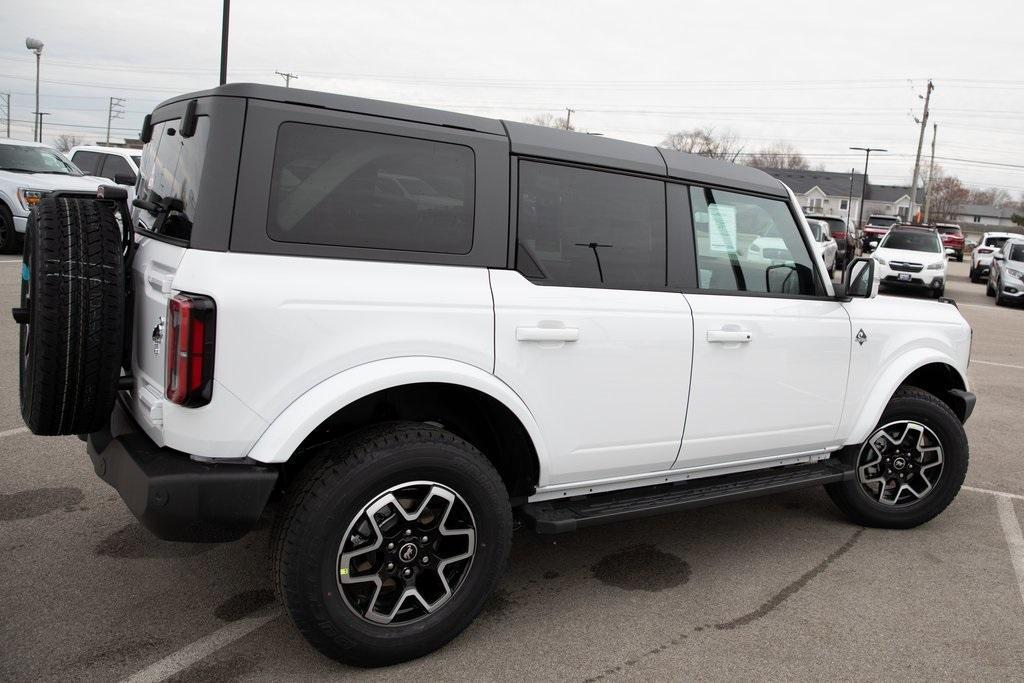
column 839, row 194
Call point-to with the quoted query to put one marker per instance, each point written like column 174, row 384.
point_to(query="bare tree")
column 705, row 142
column 779, row 154
column 993, row 196
column 65, row 142
column 947, row 194
column 550, row 121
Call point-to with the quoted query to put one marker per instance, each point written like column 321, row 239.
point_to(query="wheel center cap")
column 408, row 552
column 899, row 463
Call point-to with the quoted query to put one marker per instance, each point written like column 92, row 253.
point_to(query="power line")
column 287, row 77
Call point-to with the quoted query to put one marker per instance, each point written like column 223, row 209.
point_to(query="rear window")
column 912, row 241
column 836, row 225
column 351, row 188
column 996, row 242
column 171, row 169
column 948, row 231
column 883, row 221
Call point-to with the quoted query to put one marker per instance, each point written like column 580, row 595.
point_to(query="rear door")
column 586, row 330
column 771, row 350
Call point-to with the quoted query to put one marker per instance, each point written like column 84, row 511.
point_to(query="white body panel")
column 779, row 392
column 286, row 324
column 613, row 401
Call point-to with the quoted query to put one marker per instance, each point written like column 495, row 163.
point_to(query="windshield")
column 25, row 159
column 912, row 241
column 169, row 173
column 883, row 221
column 1016, row 252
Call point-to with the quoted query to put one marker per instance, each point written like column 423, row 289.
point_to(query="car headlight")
column 1015, row 273
column 30, row 198
column 937, row 266
column 881, row 261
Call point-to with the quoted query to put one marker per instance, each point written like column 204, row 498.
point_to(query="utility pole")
column 115, row 110
column 568, row 117
column 931, row 172
column 287, row 77
column 864, row 181
column 849, row 202
column 39, row 118
column 920, row 142
column 5, row 100
column 224, row 43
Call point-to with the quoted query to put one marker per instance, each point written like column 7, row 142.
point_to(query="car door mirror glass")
column 859, row 278
column 125, row 179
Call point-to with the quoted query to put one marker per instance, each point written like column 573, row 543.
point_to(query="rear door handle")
column 729, row 336
column 547, row 334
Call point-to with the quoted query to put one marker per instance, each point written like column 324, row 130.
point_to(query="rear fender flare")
column 288, row 430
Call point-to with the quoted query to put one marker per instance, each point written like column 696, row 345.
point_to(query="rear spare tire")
column 71, row 315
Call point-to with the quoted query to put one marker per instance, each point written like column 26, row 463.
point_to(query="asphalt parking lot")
column 777, row 588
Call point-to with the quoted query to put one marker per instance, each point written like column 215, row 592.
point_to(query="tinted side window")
column 115, row 165
column 584, row 228
column 749, row 244
column 87, row 161
column 352, row 188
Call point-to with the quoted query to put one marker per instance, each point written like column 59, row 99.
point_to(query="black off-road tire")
column 10, row 240
column 72, row 292
column 989, row 289
column 974, row 276
column 911, row 403
column 341, row 478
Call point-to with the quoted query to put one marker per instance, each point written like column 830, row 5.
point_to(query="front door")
column 771, row 350
column 586, row 331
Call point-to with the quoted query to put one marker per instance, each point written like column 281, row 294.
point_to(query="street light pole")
column 864, row 181
column 224, row 43
column 36, row 46
column 39, row 118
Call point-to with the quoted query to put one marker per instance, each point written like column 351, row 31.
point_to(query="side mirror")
column 998, row 256
column 125, row 179
column 950, row 252
column 971, row 244
column 859, row 279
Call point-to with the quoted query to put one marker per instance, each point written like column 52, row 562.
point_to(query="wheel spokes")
column 900, row 463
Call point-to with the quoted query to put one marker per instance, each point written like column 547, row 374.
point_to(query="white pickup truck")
column 561, row 327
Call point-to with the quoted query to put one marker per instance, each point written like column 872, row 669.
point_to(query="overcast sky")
column 821, row 75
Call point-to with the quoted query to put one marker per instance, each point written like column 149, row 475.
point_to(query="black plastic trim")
column 175, row 497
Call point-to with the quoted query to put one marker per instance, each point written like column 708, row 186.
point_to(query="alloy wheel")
column 406, row 553
column 900, row 463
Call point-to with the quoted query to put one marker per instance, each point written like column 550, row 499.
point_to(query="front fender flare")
column 891, row 379
column 288, row 430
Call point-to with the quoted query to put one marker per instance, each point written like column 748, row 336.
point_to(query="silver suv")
column 1006, row 278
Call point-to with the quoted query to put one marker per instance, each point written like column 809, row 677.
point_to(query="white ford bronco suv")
column 395, row 328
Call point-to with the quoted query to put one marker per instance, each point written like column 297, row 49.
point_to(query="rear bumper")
column 175, row 497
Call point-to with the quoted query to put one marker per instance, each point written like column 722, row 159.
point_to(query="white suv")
column 117, row 164
column 557, row 326
column 981, row 256
column 28, row 172
column 914, row 258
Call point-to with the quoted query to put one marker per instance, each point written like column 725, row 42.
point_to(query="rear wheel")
column 974, row 276
column 71, row 315
column 1000, row 301
column 960, row 256
column 989, row 289
column 390, row 543
column 10, row 240
column 910, row 468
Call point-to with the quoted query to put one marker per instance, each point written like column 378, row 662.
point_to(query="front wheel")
column 974, row 276
column 910, row 468
column 390, row 542
column 960, row 256
column 989, row 289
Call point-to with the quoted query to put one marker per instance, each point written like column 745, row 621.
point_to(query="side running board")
column 558, row 516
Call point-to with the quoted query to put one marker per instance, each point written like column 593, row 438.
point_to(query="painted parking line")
column 1014, row 538
column 204, row 647
column 12, row 432
column 1000, row 365
column 990, row 492
column 4, row 260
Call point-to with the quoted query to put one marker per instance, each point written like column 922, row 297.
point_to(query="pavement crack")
column 793, row 588
column 764, row 609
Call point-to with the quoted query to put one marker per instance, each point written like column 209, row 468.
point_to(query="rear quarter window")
column 352, row 188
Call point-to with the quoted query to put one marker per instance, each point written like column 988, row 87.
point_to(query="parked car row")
column 999, row 259
column 29, row 171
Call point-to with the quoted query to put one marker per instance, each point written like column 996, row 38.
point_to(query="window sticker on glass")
column 722, row 227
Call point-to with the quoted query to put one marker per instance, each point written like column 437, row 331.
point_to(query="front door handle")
column 547, row 334
column 729, row 336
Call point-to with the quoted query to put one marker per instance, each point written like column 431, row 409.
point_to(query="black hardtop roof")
column 524, row 139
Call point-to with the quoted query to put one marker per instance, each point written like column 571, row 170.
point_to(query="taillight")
column 191, row 327
column 983, row 250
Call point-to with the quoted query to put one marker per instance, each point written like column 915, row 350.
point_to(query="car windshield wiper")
column 157, row 205
column 20, row 170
